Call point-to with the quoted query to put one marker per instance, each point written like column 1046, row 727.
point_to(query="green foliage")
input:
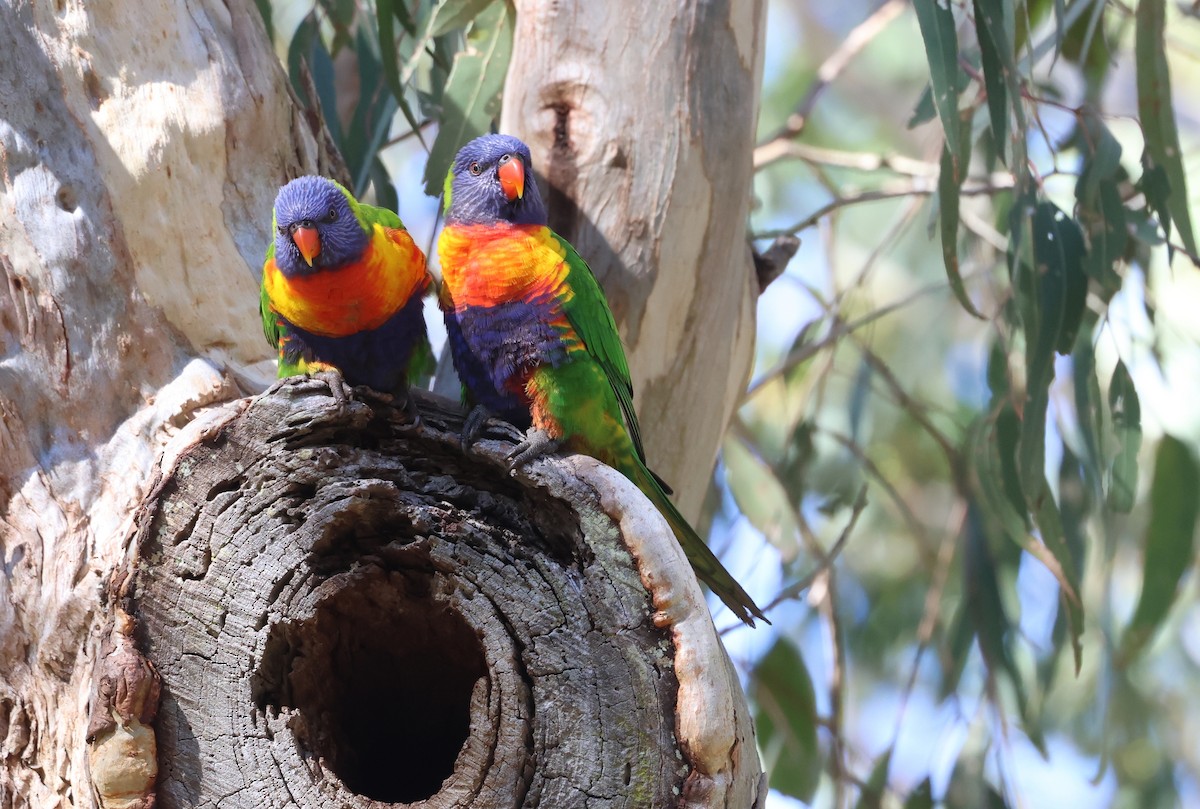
column 398, row 66
column 1158, row 118
column 1174, row 506
column 941, row 45
column 786, row 718
column 1054, row 253
column 471, row 100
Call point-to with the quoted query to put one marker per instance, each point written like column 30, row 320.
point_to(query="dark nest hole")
column 382, row 674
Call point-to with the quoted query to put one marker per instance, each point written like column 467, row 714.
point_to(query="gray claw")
column 536, row 444
column 337, row 386
column 410, row 410
column 476, row 420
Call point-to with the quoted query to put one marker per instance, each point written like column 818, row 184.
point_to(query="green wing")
column 592, row 320
column 270, row 322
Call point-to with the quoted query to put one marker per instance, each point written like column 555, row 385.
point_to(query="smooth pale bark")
column 140, row 149
column 141, row 146
column 641, row 118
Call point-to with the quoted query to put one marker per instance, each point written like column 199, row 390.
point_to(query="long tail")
column 706, row 564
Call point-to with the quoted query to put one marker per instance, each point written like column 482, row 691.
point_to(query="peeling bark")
column 352, row 609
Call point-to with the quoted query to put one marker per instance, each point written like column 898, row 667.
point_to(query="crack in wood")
column 383, row 618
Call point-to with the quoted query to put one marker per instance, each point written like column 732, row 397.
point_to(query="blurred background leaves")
column 990, row 330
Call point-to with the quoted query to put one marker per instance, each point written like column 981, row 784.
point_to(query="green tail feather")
column 706, row 564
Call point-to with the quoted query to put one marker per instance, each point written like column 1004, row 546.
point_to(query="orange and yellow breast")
column 357, row 297
column 486, row 265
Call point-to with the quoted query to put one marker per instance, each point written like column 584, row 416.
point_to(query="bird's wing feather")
column 272, row 328
column 588, row 312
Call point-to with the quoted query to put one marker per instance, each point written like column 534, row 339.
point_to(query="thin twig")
column 906, row 217
column 914, row 524
column 933, row 600
column 839, row 330
column 837, row 673
column 918, row 186
column 428, row 122
column 778, row 150
column 826, row 558
column 910, row 405
column 836, row 62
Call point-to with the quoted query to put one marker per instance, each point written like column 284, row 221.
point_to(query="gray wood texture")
column 141, row 146
column 346, row 609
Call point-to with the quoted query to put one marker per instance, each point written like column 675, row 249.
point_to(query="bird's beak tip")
column 308, row 242
column 512, row 179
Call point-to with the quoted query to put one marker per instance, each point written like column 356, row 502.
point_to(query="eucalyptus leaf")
column 871, row 794
column 1100, row 209
column 989, row 618
column 1126, row 410
column 1157, row 112
column 286, row 17
column 994, row 65
column 950, row 179
column 921, row 797
column 1051, row 289
column 1089, row 413
column 936, row 21
column 471, row 99
column 786, row 716
column 1174, row 508
column 924, row 111
column 451, row 14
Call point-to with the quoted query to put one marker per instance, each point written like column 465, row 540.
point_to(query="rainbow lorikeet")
column 533, row 339
column 341, row 291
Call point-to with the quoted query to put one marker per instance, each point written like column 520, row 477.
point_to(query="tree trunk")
column 138, row 160
column 347, row 609
column 641, row 118
column 140, row 150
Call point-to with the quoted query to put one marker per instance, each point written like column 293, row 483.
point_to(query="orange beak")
column 308, row 241
column 512, row 178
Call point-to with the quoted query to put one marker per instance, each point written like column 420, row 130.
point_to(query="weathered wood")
column 141, row 146
column 355, row 610
column 138, row 159
column 641, row 118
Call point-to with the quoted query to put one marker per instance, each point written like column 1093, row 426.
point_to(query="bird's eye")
column 475, row 169
column 332, row 215
column 283, row 231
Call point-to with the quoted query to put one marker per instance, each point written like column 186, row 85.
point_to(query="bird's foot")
column 337, row 386
column 300, row 384
column 363, row 393
column 537, row 442
column 481, row 420
column 410, row 410
column 473, row 427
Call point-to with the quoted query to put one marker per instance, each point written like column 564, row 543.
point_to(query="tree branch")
column 835, row 63
column 916, row 187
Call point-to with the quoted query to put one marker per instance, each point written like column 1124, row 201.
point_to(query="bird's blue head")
column 316, row 227
column 491, row 180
